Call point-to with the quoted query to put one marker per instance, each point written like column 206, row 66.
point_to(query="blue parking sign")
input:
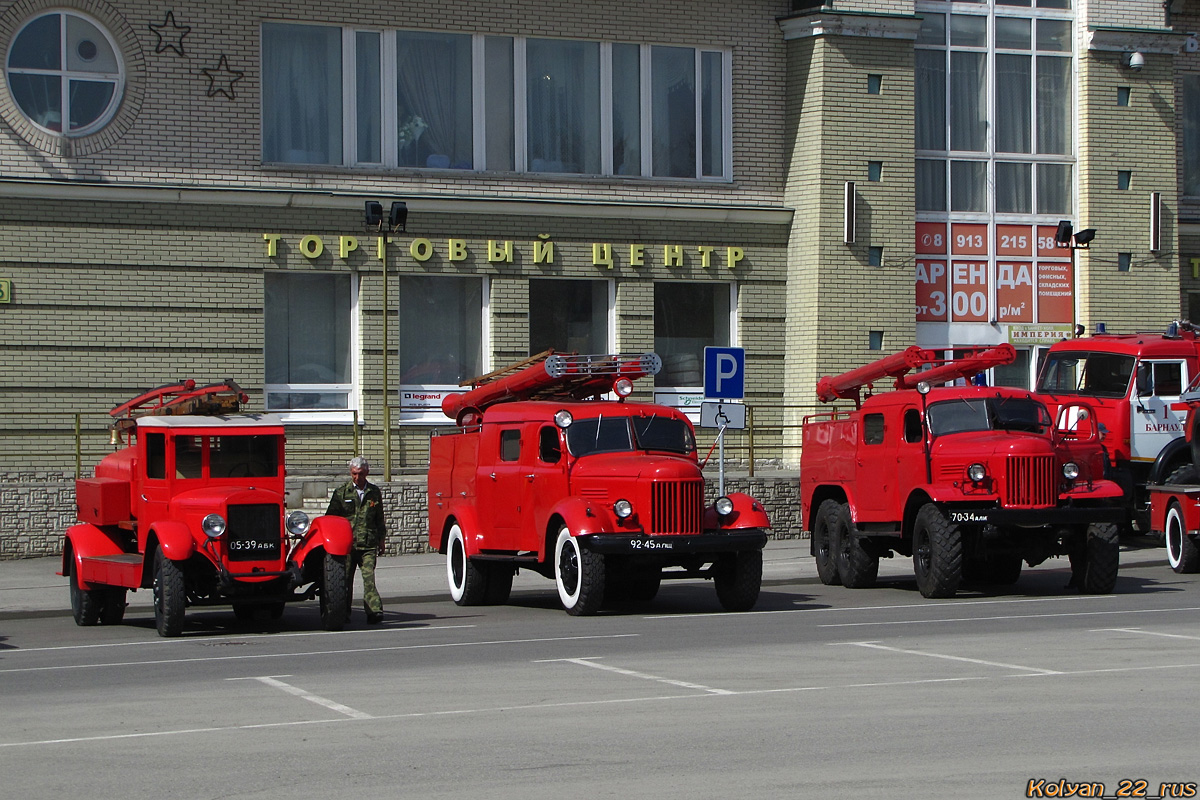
column 725, row 373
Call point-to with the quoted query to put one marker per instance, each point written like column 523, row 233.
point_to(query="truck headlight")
column 1070, row 470
column 563, row 418
column 297, row 523
column 976, row 472
column 213, row 526
column 724, row 506
column 623, row 509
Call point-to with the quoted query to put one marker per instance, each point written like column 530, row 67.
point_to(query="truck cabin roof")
column 544, row 410
column 1145, row 345
column 233, row 423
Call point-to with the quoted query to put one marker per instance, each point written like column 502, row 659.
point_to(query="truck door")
column 1153, row 423
column 501, row 487
column 876, row 469
column 152, row 498
column 545, row 484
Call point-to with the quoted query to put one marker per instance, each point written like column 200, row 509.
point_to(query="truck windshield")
column 243, row 456
column 612, row 434
column 987, row 413
column 1087, row 373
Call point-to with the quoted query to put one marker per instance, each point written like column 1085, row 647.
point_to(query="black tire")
column 738, row 578
column 823, row 545
column 857, row 567
column 499, row 584
column 468, row 583
column 114, row 606
column 335, row 593
column 578, row 574
column 86, row 604
column 1097, row 559
column 170, row 595
column 937, row 553
column 1182, row 553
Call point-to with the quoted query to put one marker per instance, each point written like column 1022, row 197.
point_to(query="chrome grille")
column 1029, row 481
column 676, row 507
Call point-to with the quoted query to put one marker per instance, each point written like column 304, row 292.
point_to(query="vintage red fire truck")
column 1132, row 381
column 970, row 481
column 192, row 508
column 604, row 496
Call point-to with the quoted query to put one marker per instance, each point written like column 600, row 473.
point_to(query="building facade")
column 213, row 190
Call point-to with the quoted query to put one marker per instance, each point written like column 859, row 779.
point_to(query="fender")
column 174, row 538
column 86, row 541
column 330, row 532
column 583, row 517
column 464, row 513
column 747, row 513
column 1176, row 454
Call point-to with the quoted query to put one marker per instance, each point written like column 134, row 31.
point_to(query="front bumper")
column 716, row 542
column 1034, row 517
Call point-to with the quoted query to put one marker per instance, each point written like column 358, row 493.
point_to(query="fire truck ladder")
column 551, row 375
column 184, row 397
column 849, row 385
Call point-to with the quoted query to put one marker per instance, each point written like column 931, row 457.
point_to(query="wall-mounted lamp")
column 1135, row 60
column 395, row 220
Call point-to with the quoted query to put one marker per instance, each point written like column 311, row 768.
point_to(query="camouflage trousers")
column 365, row 559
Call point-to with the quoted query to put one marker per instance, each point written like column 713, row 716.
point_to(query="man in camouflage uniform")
column 362, row 503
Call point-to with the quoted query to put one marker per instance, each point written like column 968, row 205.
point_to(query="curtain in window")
column 1054, row 105
column 1191, row 135
column 1054, row 189
column 302, row 94
column 441, row 330
column 498, row 102
column 627, row 110
column 968, row 101
column 368, row 95
column 307, row 328
column 1013, row 103
column 673, row 104
column 931, row 185
column 434, row 100
column 968, row 186
column 563, row 105
column 1014, row 188
column 931, row 99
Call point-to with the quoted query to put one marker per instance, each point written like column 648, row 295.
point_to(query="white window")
column 65, row 73
column 442, row 341
column 687, row 318
column 310, row 330
column 499, row 103
column 570, row 316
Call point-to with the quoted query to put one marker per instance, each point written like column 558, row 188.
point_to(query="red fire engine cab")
column 606, row 497
column 192, row 508
column 1133, row 381
column 968, row 480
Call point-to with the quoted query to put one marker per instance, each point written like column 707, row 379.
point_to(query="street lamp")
column 1065, row 237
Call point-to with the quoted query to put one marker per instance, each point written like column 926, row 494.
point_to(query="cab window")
column 913, row 432
column 549, row 446
column 873, row 429
column 156, row 455
column 510, row 445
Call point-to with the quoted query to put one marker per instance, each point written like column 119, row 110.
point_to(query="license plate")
column 968, row 516
column 253, row 549
column 650, row 544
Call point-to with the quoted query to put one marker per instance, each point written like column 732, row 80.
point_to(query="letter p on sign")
column 725, row 373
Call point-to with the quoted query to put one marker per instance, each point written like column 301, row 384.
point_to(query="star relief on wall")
column 221, row 78
column 170, row 35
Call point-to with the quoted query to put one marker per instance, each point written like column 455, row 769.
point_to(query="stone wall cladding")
column 36, row 508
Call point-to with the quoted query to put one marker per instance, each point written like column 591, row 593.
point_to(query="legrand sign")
column 541, row 250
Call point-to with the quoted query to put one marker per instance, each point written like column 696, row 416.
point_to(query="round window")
column 65, row 73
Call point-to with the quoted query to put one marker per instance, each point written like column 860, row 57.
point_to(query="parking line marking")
column 1004, row 617
column 1149, row 633
column 956, row 604
column 272, row 680
column 875, row 646
column 590, row 662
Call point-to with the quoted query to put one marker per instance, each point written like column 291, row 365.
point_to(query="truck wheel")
column 857, row 567
column 114, row 606
column 170, row 597
column 1096, row 559
column 738, row 577
column 1182, row 553
column 579, row 575
column 823, row 544
column 468, row 583
column 937, row 553
column 335, row 593
column 499, row 584
column 86, row 604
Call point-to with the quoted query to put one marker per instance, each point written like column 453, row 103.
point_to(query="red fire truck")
column 604, row 496
column 192, row 508
column 970, row 481
column 1175, row 505
column 1132, row 381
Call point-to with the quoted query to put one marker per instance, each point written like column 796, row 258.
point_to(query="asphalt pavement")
column 32, row 587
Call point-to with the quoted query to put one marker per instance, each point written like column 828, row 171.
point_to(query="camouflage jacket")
column 366, row 516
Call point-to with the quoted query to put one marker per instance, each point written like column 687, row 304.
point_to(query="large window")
column 498, row 103
column 309, row 331
column 994, row 107
column 65, row 73
column 1190, row 109
column 570, row 316
column 441, row 330
column 687, row 318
